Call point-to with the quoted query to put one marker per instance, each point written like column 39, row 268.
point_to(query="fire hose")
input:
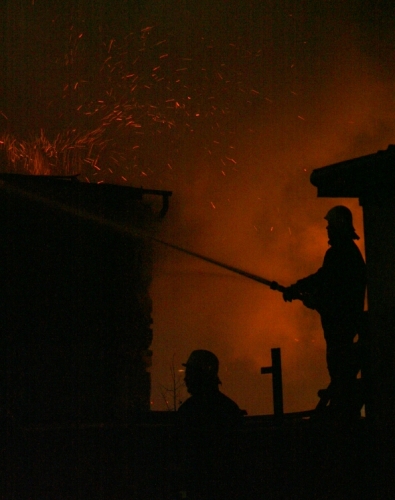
column 306, row 298
column 272, row 284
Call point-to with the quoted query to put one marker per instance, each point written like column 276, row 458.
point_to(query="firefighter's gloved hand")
column 289, row 294
column 274, row 285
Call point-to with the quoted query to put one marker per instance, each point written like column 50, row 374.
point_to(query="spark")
column 232, row 160
column 110, row 45
column 133, row 106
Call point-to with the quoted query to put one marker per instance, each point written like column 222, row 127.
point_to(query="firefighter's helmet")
column 203, row 361
column 340, row 219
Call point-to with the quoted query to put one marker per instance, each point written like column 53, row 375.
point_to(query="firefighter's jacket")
column 337, row 289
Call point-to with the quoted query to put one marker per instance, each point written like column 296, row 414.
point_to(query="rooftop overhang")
column 357, row 178
column 110, row 198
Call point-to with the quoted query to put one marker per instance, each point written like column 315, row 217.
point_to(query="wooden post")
column 277, row 381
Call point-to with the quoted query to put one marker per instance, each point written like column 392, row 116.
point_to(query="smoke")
column 265, row 218
column 230, row 105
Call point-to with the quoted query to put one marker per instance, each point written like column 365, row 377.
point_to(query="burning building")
column 75, row 303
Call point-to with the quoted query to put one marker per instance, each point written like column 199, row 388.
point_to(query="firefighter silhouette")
column 337, row 292
column 208, row 423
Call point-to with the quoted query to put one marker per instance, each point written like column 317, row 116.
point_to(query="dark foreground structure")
column 75, row 308
column 76, row 332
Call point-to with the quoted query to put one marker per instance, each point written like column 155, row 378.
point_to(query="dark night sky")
column 229, row 104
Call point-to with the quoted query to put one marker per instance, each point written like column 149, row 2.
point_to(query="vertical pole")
column 277, row 382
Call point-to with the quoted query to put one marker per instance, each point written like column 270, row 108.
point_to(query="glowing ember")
column 141, row 97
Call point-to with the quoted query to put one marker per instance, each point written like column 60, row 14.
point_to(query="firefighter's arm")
column 304, row 290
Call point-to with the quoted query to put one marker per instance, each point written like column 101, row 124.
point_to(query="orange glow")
column 234, row 126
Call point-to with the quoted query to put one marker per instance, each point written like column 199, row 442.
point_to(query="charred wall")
column 75, row 306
